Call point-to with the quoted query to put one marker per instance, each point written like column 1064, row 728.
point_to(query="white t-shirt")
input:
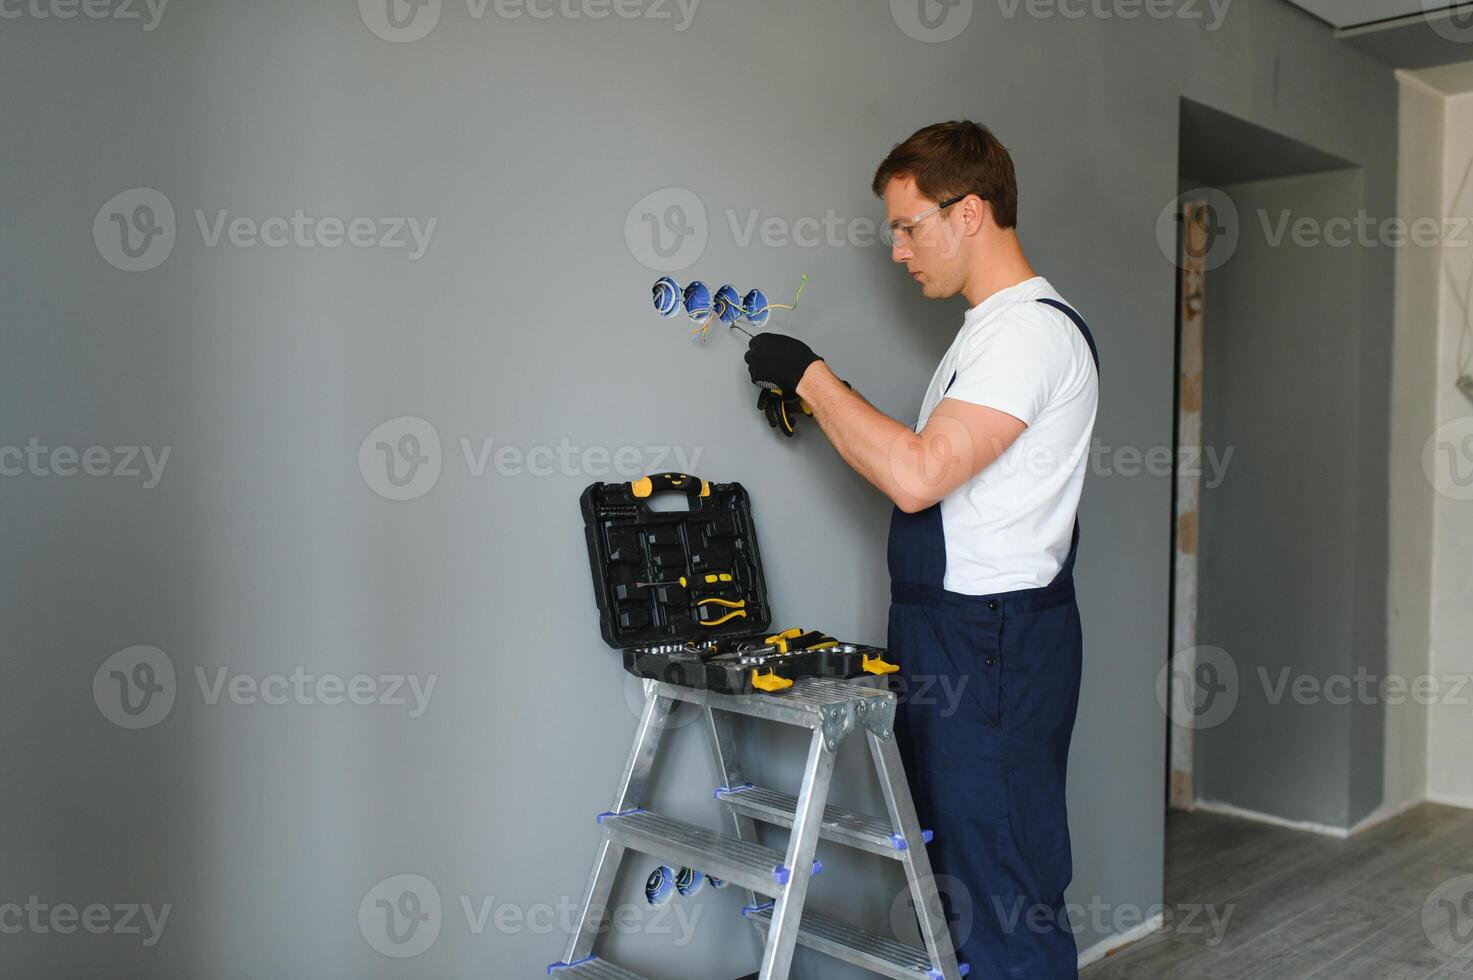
column 1009, row 527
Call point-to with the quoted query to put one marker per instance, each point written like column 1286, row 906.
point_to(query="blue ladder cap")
column 781, row 874
column 716, row 793
column 899, row 843
column 554, row 967
column 750, row 909
column 611, row 814
column 963, row 968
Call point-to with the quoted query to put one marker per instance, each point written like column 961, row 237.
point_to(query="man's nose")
column 899, row 252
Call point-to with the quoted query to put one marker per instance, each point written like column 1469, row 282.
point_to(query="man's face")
column 932, row 250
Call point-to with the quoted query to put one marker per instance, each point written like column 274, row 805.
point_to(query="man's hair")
column 954, row 158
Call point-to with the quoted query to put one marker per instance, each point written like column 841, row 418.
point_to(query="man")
column 982, row 543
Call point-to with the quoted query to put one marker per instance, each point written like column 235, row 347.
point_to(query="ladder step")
column 591, row 968
column 751, row 866
column 841, row 826
column 851, row 944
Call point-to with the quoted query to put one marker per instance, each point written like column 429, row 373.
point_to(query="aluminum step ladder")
column 776, row 882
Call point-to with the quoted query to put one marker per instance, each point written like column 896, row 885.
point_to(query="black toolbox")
column 681, row 592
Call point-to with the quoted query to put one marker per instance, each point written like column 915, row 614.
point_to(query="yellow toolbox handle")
column 769, row 681
column 877, row 665
column 646, row 486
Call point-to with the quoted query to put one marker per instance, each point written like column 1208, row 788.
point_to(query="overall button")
column 991, row 603
column 990, row 661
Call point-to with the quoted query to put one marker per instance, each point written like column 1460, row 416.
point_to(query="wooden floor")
column 1300, row 905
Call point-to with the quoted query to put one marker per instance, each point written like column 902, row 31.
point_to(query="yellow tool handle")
column 780, row 640
column 728, row 603
column 729, row 616
column 877, row 665
column 769, row 681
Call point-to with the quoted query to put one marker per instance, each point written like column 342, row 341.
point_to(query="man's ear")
column 984, row 211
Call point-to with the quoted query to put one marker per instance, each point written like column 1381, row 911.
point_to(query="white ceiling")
column 1351, row 13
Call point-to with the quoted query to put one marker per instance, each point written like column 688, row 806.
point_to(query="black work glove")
column 781, row 409
column 777, row 362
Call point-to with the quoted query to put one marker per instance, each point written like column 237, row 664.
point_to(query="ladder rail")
column 721, row 735
column 927, row 899
column 787, row 911
column 629, row 794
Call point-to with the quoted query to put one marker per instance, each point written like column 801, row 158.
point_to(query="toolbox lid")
column 666, row 576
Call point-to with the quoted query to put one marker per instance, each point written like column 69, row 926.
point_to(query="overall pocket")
column 972, row 648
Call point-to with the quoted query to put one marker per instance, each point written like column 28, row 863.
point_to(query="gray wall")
column 263, row 548
column 1282, row 568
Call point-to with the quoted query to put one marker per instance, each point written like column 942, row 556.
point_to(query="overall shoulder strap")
column 1078, row 322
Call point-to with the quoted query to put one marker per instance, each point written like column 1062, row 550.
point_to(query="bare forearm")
column 876, row 446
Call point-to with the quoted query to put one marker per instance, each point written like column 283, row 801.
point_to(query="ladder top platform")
column 835, row 707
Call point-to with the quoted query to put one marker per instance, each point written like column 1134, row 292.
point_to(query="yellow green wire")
column 705, row 324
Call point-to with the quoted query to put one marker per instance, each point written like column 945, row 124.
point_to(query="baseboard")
column 1228, row 810
column 1106, row 946
column 1385, row 812
column 1451, row 799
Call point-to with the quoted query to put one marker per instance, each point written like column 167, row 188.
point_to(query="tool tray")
column 681, row 592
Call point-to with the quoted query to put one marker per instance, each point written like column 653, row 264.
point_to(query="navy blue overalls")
column 986, row 711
